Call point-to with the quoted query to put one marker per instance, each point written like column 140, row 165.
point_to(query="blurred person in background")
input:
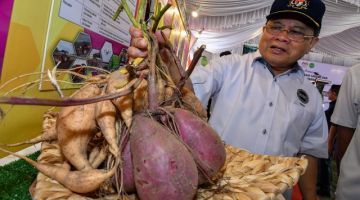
column 324, row 165
column 346, row 120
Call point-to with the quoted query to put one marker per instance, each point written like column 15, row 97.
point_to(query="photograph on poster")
column 82, row 45
column 64, row 54
column 79, row 67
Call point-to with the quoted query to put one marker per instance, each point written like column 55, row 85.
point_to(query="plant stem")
column 159, row 16
column 152, row 90
column 69, row 101
column 129, row 14
column 118, row 11
column 197, row 56
column 141, row 14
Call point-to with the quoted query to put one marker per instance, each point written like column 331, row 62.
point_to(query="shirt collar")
column 295, row 69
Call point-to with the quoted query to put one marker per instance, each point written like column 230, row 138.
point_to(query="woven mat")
column 244, row 176
column 253, row 176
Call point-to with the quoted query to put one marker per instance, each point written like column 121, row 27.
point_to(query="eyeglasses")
column 294, row 35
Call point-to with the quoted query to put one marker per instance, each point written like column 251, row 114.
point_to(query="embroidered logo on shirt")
column 302, row 96
column 299, row 4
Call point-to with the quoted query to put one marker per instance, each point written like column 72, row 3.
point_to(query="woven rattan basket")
column 253, row 176
column 244, row 176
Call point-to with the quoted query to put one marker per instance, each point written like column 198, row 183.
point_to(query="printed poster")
column 82, row 37
column 323, row 75
column 331, row 74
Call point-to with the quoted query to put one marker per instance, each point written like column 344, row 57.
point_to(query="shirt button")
column 264, row 131
column 270, row 104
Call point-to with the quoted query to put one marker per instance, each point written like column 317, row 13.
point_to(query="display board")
column 332, row 74
column 79, row 33
column 96, row 15
column 83, row 33
column 323, row 76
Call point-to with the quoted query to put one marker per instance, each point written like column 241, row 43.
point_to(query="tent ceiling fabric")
column 344, row 44
column 227, row 24
column 230, row 7
column 355, row 2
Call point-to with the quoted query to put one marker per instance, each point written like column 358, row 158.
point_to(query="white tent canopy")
column 228, row 24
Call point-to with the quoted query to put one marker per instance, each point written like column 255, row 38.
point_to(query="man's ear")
column 313, row 42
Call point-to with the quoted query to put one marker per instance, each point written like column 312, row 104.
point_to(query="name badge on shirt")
column 302, row 96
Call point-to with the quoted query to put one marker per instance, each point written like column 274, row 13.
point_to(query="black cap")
column 309, row 12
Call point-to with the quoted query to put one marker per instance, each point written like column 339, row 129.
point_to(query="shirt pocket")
column 300, row 117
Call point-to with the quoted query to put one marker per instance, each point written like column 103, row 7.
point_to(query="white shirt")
column 253, row 110
column 347, row 113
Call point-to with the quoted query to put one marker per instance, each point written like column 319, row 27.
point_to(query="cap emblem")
column 299, row 4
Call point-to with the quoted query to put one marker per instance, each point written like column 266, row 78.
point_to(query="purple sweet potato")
column 126, row 174
column 163, row 167
column 206, row 146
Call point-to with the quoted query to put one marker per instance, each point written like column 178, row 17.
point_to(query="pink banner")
column 5, row 17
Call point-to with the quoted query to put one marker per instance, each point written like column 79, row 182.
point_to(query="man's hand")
column 139, row 44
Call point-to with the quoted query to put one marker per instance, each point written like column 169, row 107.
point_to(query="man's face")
column 280, row 50
column 331, row 95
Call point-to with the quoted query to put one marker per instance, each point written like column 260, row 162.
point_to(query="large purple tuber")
column 206, row 146
column 163, row 166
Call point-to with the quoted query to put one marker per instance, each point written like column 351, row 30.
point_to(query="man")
column 332, row 141
column 338, row 143
column 262, row 101
column 324, row 173
column 332, row 95
column 346, row 117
